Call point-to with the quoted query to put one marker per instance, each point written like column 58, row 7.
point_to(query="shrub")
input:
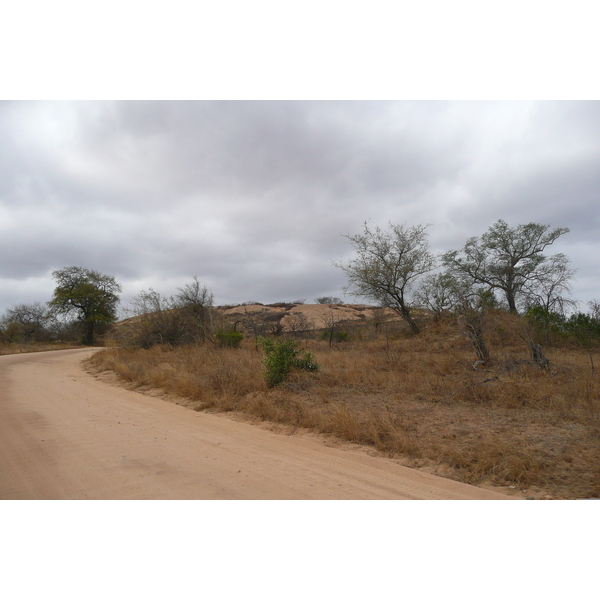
column 335, row 336
column 229, row 339
column 283, row 355
column 583, row 327
column 548, row 325
column 329, row 300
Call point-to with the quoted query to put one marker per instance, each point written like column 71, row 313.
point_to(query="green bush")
column 584, row 328
column 283, row 355
column 229, row 339
column 335, row 336
column 548, row 325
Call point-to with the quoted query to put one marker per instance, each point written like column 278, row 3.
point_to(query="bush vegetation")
column 420, row 398
column 229, row 338
column 281, row 356
column 486, row 374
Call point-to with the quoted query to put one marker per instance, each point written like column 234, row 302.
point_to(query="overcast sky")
column 254, row 197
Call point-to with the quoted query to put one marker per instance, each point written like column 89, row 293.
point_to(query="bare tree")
column 31, row 320
column 182, row 319
column 550, row 286
column 256, row 321
column 157, row 321
column 275, row 325
column 195, row 301
column 297, row 322
column 387, row 264
column 195, row 295
column 379, row 317
column 471, row 303
column 508, row 259
column 594, row 306
column 331, row 320
column 437, row 293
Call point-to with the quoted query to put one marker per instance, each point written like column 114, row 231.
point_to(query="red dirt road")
column 66, row 435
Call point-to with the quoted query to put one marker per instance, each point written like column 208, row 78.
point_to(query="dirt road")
column 66, row 435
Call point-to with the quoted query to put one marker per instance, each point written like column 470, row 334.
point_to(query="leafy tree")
column 387, row 264
column 10, row 332
column 87, row 294
column 547, row 325
column 510, row 260
column 586, row 330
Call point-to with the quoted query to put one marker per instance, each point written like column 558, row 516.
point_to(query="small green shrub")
column 335, row 336
column 229, row 339
column 283, row 355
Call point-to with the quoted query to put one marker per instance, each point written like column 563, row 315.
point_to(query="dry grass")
column 35, row 347
column 416, row 398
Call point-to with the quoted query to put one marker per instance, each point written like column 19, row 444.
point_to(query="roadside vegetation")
column 83, row 306
column 475, row 365
column 36, row 347
column 423, row 399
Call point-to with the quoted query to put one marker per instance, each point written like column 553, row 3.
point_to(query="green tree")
column 87, row 294
column 586, row 330
column 547, row 325
column 511, row 260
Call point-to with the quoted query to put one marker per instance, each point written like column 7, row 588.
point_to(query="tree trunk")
column 413, row 325
column 538, row 356
column 473, row 328
column 405, row 314
column 512, row 305
column 476, row 336
column 88, row 340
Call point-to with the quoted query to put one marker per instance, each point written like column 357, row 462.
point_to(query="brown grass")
column 35, row 347
column 416, row 398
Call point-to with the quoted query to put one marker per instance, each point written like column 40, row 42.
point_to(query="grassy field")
column 419, row 399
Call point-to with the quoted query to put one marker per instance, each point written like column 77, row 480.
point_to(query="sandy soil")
column 67, row 435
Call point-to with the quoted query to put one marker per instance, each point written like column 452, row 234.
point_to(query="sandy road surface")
column 66, row 435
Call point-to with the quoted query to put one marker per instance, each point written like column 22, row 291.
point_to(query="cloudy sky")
column 254, row 197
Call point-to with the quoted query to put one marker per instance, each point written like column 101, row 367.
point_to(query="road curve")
column 66, row 435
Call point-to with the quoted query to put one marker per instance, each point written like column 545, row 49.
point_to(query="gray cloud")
column 253, row 197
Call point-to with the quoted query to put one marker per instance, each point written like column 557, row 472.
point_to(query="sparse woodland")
column 477, row 366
